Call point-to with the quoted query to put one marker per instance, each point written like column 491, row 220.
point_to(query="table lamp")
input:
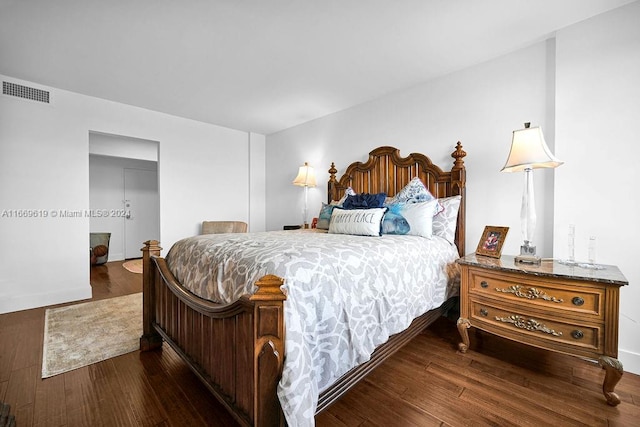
column 306, row 178
column 529, row 151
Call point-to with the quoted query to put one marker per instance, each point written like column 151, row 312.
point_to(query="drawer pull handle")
column 484, row 312
column 577, row 301
column 577, row 334
column 529, row 293
column 484, row 284
column 528, row 324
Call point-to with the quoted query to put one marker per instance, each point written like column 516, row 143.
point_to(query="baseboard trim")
column 630, row 361
column 117, row 256
column 10, row 304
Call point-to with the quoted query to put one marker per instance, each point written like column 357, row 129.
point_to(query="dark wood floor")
column 428, row 383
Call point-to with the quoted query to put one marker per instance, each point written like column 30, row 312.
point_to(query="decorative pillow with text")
column 360, row 222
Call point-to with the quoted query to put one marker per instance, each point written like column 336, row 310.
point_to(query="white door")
column 142, row 210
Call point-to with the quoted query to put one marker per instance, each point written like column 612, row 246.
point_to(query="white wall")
column 585, row 84
column 44, row 165
column 480, row 107
column 257, row 170
column 598, row 106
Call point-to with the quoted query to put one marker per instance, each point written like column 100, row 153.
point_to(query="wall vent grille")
column 26, row 92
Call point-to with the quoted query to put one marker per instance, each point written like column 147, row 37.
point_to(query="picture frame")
column 491, row 241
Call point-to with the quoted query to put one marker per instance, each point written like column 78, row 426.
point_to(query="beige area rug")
column 134, row 266
column 81, row 334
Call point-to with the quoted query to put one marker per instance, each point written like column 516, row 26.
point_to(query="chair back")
column 217, row 227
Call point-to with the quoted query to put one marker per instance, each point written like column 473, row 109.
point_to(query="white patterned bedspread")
column 345, row 294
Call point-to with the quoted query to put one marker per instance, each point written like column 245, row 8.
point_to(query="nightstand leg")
column 613, row 369
column 463, row 326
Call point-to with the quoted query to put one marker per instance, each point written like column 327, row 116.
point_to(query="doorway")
column 123, row 190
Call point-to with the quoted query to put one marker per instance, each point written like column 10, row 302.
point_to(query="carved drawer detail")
column 588, row 301
column 498, row 319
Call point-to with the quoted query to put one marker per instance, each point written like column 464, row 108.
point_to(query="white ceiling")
column 264, row 65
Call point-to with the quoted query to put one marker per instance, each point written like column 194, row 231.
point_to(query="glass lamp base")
column 528, row 255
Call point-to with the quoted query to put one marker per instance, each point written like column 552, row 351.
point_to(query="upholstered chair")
column 217, row 227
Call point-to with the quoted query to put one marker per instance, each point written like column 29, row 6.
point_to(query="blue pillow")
column 415, row 219
column 394, row 222
column 324, row 217
column 365, row 201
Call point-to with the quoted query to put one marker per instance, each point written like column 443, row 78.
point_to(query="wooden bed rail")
column 247, row 335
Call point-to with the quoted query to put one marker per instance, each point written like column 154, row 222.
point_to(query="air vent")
column 26, row 92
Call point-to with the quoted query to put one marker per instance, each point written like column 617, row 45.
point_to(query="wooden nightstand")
column 568, row 309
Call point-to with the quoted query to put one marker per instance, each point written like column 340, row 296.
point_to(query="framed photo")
column 491, row 241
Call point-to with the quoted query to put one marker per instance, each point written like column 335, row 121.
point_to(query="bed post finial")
column 458, row 155
column 332, row 190
column 150, row 339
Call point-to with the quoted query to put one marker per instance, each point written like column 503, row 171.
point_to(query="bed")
column 237, row 346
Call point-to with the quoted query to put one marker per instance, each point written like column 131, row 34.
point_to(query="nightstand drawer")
column 530, row 328
column 529, row 291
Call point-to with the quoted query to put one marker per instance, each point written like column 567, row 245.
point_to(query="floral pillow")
column 413, row 192
column 445, row 221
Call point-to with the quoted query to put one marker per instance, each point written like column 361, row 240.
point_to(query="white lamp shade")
column 529, row 151
column 306, row 176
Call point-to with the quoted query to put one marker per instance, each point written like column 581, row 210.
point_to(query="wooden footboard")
column 236, row 349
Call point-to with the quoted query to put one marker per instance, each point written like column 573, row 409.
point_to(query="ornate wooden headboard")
column 387, row 171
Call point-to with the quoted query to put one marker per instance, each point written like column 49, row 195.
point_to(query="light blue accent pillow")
column 394, row 222
column 415, row 219
column 324, row 217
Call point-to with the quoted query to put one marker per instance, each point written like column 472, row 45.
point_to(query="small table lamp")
column 529, row 151
column 306, row 178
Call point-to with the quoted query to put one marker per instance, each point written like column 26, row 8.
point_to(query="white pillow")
column 444, row 223
column 361, row 222
column 420, row 217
